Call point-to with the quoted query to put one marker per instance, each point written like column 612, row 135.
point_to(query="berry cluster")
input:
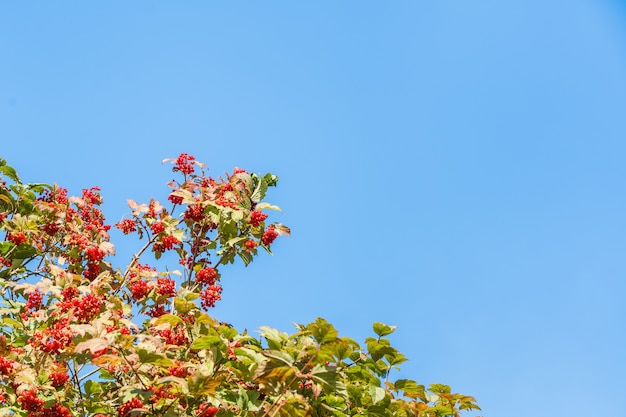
column 81, row 312
column 53, row 339
column 29, row 401
column 184, row 164
column 83, row 309
column 6, row 366
column 207, row 410
column 125, row 409
column 59, row 379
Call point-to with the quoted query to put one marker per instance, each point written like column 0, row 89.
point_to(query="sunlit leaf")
column 382, row 329
column 267, row 206
column 259, row 192
column 322, row 331
column 171, row 319
column 9, row 172
column 205, row 342
column 154, row 358
column 93, row 345
column 377, row 393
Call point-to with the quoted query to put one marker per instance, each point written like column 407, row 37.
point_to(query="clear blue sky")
column 456, row 168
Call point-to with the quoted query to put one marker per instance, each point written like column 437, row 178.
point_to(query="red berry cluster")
column 53, row 339
column 178, row 371
column 94, row 254
column 163, row 391
column 29, row 401
column 6, row 366
column 16, row 238
column 156, row 311
column 207, row 410
column 51, row 228
column 157, row 227
column 69, row 293
column 209, row 296
column 194, row 213
column 166, row 287
column 167, row 243
column 139, row 289
column 175, row 199
column 211, row 293
column 59, row 379
column 206, row 276
column 125, row 409
column 127, row 226
column 84, row 308
column 184, row 164
column 174, row 336
column 34, row 300
column 269, row 236
column 256, row 217
column 84, row 232
column 56, row 195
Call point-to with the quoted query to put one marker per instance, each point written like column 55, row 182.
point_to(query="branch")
column 133, row 262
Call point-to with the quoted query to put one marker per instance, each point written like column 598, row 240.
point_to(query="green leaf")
column 237, row 215
column 5, row 247
column 379, row 348
column 322, row 331
column 274, row 375
column 183, row 306
column 377, row 393
column 24, row 251
column 206, row 342
column 271, row 179
column 439, row 388
column 93, row 387
column 343, row 348
column 245, row 257
column 9, row 171
column 395, row 358
column 235, row 240
column 382, row 329
column 39, row 187
column 177, row 384
column 154, row 358
column 260, row 191
column 329, row 380
column 12, row 322
column 295, row 407
column 201, row 383
column 171, row 319
column 334, row 403
column 410, row 388
column 228, row 332
column 280, row 356
column 377, row 410
column 7, row 203
column 275, row 339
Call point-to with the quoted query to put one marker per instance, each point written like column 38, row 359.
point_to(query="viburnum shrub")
column 79, row 337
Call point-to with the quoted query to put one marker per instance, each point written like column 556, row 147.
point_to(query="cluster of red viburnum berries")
column 73, row 233
column 199, row 195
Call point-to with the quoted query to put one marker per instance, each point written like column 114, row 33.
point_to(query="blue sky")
column 455, row 168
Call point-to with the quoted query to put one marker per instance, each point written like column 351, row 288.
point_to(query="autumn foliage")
column 79, row 337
